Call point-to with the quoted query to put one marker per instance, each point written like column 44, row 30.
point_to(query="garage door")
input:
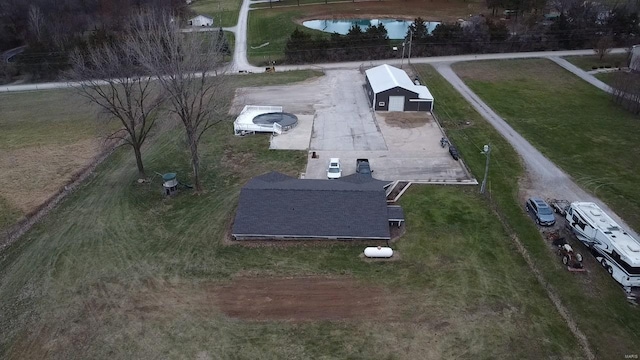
column 396, row 103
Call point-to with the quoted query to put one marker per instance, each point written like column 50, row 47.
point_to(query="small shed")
column 201, row 20
column 391, row 89
column 635, row 59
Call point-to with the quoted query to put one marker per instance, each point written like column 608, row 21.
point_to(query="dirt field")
column 303, row 299
column 34, row 173
column 45, row 138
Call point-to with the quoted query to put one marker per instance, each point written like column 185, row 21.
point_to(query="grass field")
column 613, row 77
column 548, row 105
column 117, row 271
column 224, row 12
column 590, row 62
column 45, row 137
column 595, row 302
column 276, row 25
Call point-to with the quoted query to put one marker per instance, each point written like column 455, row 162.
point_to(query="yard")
column 612, row 78
column 590, row 62
column 45, row 138
column 571, row 122
column 118, row 271
column 611, row 333
column 224, row 12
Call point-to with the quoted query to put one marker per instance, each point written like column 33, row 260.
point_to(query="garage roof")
column 385, row 77
column 275, row 205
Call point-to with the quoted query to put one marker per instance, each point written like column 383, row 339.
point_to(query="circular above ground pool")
column 286, row 120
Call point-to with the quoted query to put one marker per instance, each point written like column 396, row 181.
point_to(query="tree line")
column 575, row 24
column 52, row 29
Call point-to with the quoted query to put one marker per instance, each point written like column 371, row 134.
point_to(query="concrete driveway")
column 413, row 153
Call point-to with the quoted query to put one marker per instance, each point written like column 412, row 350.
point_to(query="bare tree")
column 186, row 66
column 603, row 46
column 109, row 77
column 36, row 22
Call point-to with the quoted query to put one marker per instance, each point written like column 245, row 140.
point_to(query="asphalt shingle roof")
column 276, row 205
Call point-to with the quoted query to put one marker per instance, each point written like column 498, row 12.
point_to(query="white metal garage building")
column 390, row 89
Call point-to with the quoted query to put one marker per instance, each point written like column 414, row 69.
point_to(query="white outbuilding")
column 201, row 20
column 391, row 89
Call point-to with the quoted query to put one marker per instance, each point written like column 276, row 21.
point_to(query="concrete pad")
column 349, row 124
column 414, row 153
column 392, row 166
column 295, row 139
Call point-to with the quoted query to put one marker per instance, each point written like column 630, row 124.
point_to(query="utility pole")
column 487, row 151
column 402, row 61
column 410, row 41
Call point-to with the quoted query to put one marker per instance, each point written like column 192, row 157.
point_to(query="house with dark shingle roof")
column 277, row 206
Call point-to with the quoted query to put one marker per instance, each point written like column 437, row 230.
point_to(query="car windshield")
column 543, row 210
column 334, row 170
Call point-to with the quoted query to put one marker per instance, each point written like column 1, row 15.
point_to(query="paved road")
column 545, row 178
column 240, row 62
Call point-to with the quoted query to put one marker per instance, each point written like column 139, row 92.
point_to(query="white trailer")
column 613, row 247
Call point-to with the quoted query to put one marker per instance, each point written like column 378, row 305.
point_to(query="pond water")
column 396, row 29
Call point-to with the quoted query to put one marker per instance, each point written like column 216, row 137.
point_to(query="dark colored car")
column 541, row 211
column 454, row 152
column 363, row 167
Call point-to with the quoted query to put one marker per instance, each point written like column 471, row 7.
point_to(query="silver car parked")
column 541, row 211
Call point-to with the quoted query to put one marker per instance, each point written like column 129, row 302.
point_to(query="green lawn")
column 43, row 118
column 589, row 62
column 116, row 270
column 273, row 27
column 595, row 302
column 612, row 78
column 224, row 12
column 573, row 123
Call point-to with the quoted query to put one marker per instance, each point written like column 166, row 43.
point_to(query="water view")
column 397, row 29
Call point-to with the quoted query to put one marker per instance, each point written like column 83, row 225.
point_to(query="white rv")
column 613, row 247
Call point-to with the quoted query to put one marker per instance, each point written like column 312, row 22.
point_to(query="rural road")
column 545, row 178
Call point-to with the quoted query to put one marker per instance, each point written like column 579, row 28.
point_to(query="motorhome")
column 616, row 249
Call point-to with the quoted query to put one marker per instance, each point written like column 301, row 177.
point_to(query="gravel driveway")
column 545, row 178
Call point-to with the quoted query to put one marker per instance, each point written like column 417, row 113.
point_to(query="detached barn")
column 390, row 89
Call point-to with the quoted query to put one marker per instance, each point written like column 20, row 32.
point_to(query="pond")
column 396, row 29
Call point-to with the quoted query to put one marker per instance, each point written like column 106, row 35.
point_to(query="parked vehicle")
column 454, row 152
column 541, row 212
column 363, row 167
column 616, row 250
column 559, row 206
column 334, row 171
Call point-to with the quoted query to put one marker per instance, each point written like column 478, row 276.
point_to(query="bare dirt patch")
column 303, row 299
column 405, row 120
column 31, row 175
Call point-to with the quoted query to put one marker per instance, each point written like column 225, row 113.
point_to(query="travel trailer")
column 616, row 249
